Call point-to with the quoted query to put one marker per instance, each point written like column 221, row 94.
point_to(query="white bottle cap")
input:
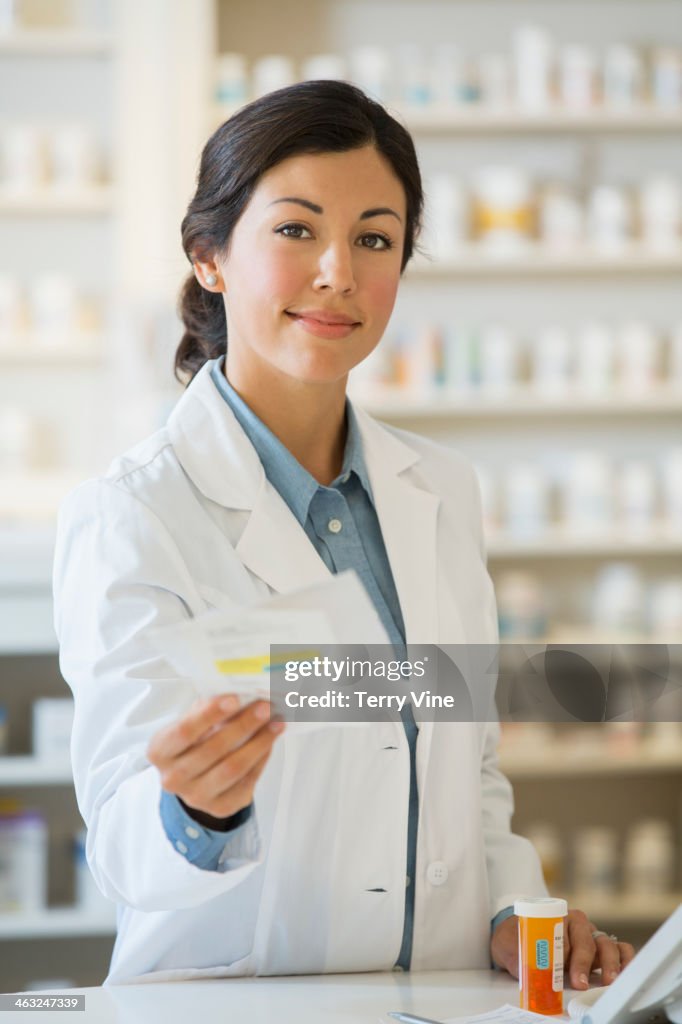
column 540, row 906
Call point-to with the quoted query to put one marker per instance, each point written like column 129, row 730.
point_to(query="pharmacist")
column 230, row 847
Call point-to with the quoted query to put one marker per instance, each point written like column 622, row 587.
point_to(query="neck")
column 309, row 419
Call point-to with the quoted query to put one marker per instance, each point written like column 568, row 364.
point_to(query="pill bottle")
column 541, row 954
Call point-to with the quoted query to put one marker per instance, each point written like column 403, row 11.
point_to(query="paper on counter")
column 229, row 651
column 506, row 1014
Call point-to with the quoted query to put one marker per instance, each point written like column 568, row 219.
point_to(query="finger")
column 241, row 795
column 177, row 737
column 609, row 958
column 627, row 953
column 223, row 741
column 233, row 768
column 582, row 949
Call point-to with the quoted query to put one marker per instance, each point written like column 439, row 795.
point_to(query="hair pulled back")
column 310, row 117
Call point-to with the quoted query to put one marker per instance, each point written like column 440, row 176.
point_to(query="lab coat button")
column 335, row 525
column 437, row 872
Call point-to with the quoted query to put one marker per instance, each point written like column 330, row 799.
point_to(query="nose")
column 335, row 269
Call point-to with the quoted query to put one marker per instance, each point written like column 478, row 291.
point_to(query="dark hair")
column 309, row 117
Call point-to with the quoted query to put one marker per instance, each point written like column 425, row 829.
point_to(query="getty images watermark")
column 478, row 682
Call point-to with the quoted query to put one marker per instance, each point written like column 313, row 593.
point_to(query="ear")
column 208, row 275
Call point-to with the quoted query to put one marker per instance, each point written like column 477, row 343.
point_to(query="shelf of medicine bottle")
column 57, row 922
column 624, row 908
column 561, row 762
column 560, row 543
column 476, row 119
column 32, row 771
column 27, row 350
column 537, row 259
column 54, row 43
column 521, row 402
column 87, row 201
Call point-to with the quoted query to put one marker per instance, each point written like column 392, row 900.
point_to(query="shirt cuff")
column 206, row 848
column 498, row 919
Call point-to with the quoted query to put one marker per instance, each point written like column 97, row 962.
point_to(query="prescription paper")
column 506, row 1014
column 229, row 651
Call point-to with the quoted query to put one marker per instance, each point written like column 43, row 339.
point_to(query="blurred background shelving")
column 144, row 78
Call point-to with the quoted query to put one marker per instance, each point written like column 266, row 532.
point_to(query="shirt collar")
column 296, row 485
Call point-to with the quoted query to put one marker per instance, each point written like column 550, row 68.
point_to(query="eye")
column 387, row 243
column 290, row 227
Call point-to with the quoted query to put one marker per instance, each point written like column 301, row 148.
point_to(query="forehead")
column 326, row 176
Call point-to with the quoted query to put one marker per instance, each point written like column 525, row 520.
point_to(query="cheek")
column 381, row 295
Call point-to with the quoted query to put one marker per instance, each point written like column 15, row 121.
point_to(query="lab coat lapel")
column 408, row 517
column 221, row 461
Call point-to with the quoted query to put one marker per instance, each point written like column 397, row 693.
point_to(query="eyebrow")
column 375, row 212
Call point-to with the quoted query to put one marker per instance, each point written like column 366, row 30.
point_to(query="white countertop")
column 338, row 998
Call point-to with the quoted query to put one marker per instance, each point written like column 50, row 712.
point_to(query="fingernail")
column 228, row 703
column 262, row 712
column 583, row 980
column 612, row 975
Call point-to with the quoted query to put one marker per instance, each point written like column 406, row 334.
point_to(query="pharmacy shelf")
column 32, row 771
column 519, row 402
column 570, row 762
column 64, row 43
column 625, row 908
column 538, row 260
column 477, row 119
column 57, row 922
column 28, row 350
column 560, row 543
column 97, row 199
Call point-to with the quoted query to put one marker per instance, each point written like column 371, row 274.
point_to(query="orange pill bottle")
column 541, row 954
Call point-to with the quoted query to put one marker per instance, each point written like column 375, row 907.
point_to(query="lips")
column 323, row 317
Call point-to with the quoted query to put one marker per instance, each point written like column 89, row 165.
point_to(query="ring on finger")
column 597, row 934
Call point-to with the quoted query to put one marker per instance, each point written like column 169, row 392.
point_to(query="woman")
column 229, row 846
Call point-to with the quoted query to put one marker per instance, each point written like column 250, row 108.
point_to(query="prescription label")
column 558, row 973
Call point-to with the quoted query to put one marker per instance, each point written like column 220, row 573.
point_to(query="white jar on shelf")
column 495, row 82
column 231, row 79
column 587, row 493
column 666, row 78
column 672, row 487
column 547, row 842
column 561, row 218
column 660, row 204
column 521, row 607
column 594, row 362
column 370, row 68
column 577, row 78
column 503, row 210
column 446, row 75
column 596, row 861
column 324, row 65
column 498, row 360
column 274, row 71
column 527, row 501
column 532, row 52
column 413, row 85
column 23, row 167
column 23, row 861
column 639, row 357
column 675, row 356
column 636, row 497
column 623, row 77
column 619, row 601
column 649, row 859
column 551, row 352
column 447, row 217
column 609, row 219
column 665, row 616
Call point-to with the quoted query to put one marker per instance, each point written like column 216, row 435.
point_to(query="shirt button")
column 437, row 872
column 193, row 833
column 398, row 969
column 345, row 478
column 181, row 846
column 335, row 525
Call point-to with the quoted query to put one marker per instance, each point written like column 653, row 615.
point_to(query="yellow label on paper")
column 259, row 663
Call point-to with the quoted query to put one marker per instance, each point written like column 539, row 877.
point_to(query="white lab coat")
column 186, row 521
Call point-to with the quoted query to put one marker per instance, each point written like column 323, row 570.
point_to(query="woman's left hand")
column 582, row 953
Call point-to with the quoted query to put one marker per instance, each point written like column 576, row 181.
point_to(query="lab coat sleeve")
column 513, row 865
column 117, row 574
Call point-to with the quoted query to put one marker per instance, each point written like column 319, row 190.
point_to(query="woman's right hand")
column 213, row 756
